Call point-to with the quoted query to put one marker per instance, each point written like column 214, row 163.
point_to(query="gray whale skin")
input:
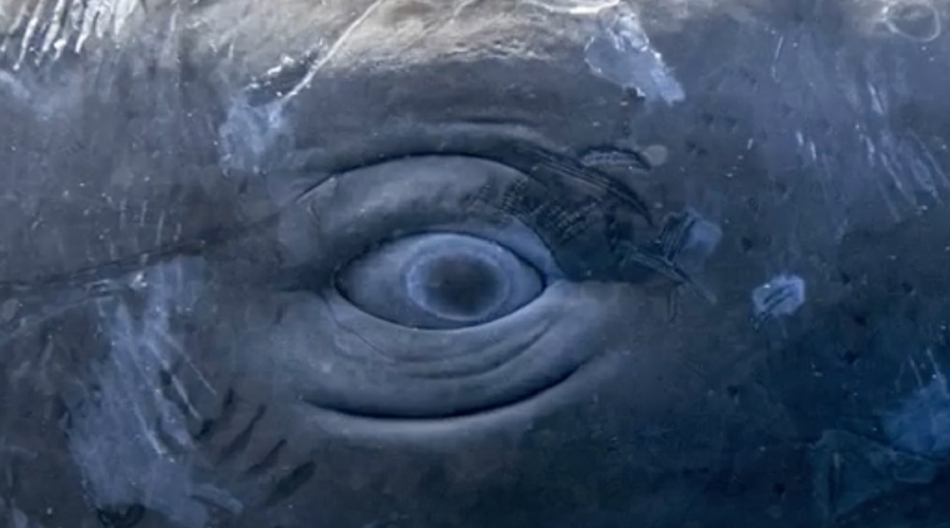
column 474, row 263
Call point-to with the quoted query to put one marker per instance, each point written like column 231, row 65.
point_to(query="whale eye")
column 440, row 281
column 440, row 286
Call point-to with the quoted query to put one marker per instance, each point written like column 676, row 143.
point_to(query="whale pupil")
column 461, row 285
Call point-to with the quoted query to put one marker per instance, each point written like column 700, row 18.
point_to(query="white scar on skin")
column 44, row 29
column 337, row 45
column 623, row 54
column 574, row 7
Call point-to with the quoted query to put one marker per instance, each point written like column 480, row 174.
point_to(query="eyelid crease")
column 92, row 277
column 104, row 279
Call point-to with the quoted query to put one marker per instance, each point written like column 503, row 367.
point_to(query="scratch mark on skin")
column 121, row 13
column 44, row 29
column 53, row 31
column 574, row 7
column 129, row 440
column 913, row 366
column 88, row 22
column 144, row 214
column 124, row 319
column 930, row 158
column 776, row 55
column 869, row 146
column 15, row 26
column 334, row 49
column 15, row 450
column 937, row 372
column 907, row 169
column 41, row 378
column 891, row 207
column 877, row 101
column 74, row 20
column 35, row 18
column 463, row 6
column 159, row 228
column 895, row 178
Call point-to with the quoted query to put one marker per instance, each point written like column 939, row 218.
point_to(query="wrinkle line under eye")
column 448, row 368
column 424, row 359
column 336, row 319
column 463, row 412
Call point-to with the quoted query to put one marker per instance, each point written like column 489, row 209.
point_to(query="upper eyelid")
column 561, row 178
column 574, row 170
column 519, row 147
column 567, row 197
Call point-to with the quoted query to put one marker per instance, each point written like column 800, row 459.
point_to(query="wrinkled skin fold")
column 410, row 263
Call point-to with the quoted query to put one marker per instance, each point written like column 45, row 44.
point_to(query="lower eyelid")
column 395, row 342
column 435, row 373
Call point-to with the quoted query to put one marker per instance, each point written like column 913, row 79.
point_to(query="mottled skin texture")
column 136, row 149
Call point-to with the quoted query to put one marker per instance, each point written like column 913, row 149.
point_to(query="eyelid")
column 577, row 193
column 521, row 149
column 354, row 211
column 360, row 208
column 549, row 166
